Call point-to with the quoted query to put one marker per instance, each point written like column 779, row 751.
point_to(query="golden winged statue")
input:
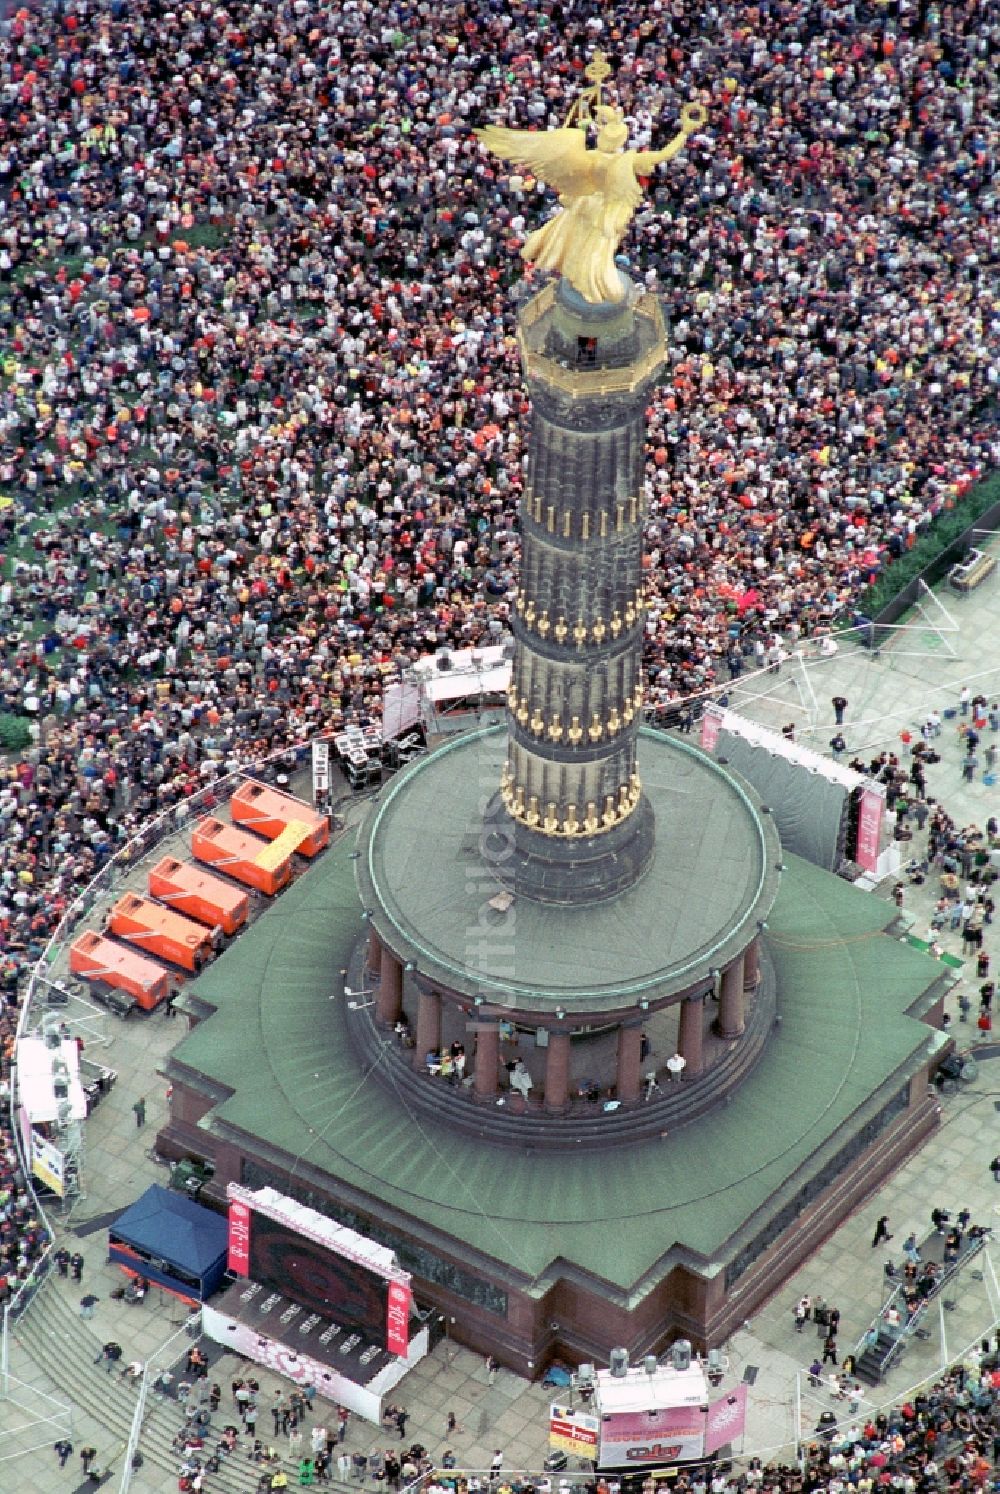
column 598, row 189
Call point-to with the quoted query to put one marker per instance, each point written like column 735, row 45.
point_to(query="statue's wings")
column 560, row 158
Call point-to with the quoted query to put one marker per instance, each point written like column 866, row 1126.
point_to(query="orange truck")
column 255, row 862
column 269, row 812
column 97, row 958
column 160, row 931
column 197, row 894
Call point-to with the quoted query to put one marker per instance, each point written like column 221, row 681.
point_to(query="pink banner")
column 667, row 1435
column 397, row 1320
column 711, row 722
column 869, row 829
column 726, row 1419
column 239, row 1238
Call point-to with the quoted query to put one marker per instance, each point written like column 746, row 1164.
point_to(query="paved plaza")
column 921, row 670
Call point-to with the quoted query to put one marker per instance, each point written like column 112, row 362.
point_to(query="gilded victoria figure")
column 598, row 189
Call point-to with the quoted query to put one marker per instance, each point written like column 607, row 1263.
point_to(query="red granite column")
column 487, row 1060
column 557, row 1071
column 374, row 956
column 751, row 965
column 428, row 1027
column 731, row 1000
column 629, row 1078
column 690, row 1036
column 389, row 999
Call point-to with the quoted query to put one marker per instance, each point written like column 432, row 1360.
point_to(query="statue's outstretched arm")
column 693, row 116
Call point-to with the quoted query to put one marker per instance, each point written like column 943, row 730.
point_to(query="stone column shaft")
column 629, row 1078
column 751, row 965
column 691, row 1034
column 374, row 956
column 428, row 1026
column 487, row 1061
column 389, row 999
column 731, row 1000
column 557, row 1071
column 570, row 783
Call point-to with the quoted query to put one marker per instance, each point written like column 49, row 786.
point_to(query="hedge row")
column 950, row 525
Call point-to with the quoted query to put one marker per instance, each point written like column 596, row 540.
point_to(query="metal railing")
column 578, row 1474
column 145, row 1381
column 579, row 382
column 910, row 1326
column 934, row 1376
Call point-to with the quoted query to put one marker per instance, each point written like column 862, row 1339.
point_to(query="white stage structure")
column 318, row 1303
column 450, row 691
column 52, row 1104
column 663, row 1413
column 285, row 1358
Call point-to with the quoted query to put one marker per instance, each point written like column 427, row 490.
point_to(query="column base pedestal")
column 727, row 1037
column 568, row 869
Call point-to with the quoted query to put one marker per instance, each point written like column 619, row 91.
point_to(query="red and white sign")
column 573, row 1432
column 239, row 1238
column 869, row 828
column 668, row 1435
column 726, row 1419
column 397, row 1319
column 711, row 725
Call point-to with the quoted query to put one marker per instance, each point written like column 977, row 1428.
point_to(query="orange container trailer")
column 160, row 931
column 237, row 853
column 269, row 812
column 197, row 894
column 97, row 958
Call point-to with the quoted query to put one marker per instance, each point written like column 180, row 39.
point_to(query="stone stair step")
column 54, row 1336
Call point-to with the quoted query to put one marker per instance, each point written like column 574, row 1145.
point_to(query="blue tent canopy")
column 172, row 1241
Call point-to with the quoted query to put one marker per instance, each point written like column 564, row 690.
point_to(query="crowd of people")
column 261, row 416
column 262, row 423
column 945, row 1437
column 23, row 1236
column 316, row 1454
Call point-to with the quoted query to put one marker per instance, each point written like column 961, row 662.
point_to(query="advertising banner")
column 47, row 1163
column 726, row 1419
column 672, row 1434
column 711, row 723
column 397, row 1319
column 573, row 1432
column 869, row 828
column 239, row 1238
